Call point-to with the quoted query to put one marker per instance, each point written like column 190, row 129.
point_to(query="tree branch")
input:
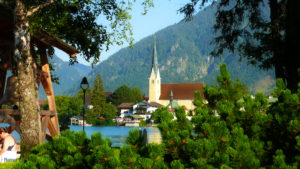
column 34, row 9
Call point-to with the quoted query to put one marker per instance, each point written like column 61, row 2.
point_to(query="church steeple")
column 154, row 79
column 154, row 58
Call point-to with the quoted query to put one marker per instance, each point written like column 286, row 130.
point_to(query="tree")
column 71, row 20
column 66, row 107
column 98, row 99
column 109, row 112
column 136, row 95
column 100, row 107
column 80, row 93
column 121, row 95
column 267, row 38
column 125, row 94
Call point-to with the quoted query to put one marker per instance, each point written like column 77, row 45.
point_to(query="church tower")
column 154, row 79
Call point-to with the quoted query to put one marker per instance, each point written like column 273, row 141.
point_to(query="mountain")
column 183, row 55
column 69, row 76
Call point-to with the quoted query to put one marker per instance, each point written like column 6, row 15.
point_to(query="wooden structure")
column 41, row 40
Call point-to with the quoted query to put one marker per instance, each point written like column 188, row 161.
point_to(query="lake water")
column 117, row 134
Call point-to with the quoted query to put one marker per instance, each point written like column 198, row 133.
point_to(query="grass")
column 8, row 165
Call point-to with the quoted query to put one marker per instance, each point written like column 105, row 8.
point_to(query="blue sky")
column 163, row 14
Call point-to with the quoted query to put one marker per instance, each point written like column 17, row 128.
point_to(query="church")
column 173, row 94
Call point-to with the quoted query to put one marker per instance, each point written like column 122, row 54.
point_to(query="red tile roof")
column 180, row 90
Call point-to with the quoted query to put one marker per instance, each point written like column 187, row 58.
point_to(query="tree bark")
column 29, row 109
column 292, row 44
column 277, row 45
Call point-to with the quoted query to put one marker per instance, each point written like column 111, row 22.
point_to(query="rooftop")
column 180, row 90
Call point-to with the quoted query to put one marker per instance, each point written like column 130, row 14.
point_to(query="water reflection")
column 117, row 134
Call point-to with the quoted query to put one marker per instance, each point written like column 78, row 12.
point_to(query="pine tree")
column 97, row 100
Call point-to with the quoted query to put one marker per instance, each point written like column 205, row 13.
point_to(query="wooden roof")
column 49, row 40
column 184, row 91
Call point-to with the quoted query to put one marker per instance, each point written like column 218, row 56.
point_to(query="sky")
column 163, row 14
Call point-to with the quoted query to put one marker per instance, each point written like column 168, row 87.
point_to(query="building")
column 182, row 93
column 78, row 120
column 142, row 109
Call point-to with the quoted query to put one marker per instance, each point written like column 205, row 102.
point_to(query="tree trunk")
column 292, row 44
column 29, row 109
column 277, row 45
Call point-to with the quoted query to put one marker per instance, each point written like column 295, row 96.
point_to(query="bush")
column 230, row 129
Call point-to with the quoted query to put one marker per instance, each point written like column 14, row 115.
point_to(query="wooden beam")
column 52, row 128
column 47, row 84
column 47, row 113
column 45, row 121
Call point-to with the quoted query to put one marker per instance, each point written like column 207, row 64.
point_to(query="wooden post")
column 53, row 125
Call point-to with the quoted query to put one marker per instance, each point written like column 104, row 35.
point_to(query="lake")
column 117, row 134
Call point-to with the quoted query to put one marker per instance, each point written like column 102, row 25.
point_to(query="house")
column 182, row 93
column 125, row 109
column 78, row 120
column 143, row 109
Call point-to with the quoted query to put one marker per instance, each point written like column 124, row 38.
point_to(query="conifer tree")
column 97, row 100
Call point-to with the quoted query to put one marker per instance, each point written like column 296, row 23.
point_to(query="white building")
column 143, row 109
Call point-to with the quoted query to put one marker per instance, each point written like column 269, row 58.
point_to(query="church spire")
column 154, row 58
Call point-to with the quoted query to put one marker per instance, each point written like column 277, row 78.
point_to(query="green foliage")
column 97, row 100
column 252, row 29
column 143, row 123
column 235, row 130
column 136, row 95
column 80, row 93
column 76, row 23
column 124, row 94
column 66, row 107
column 98, row 96
column 102, row 113
column 230, row 129
column 8, row 165
column 162, row 115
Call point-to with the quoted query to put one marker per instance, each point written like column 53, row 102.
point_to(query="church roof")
column 180, row 90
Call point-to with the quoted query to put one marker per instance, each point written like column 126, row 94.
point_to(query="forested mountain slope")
column 183, row 56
